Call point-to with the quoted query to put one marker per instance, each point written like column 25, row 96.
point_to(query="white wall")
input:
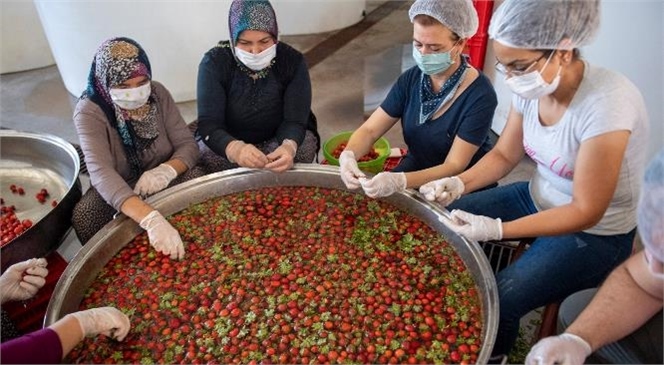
column 630, row 41
column 174, row 33
column 316, row 16
column 23, row 45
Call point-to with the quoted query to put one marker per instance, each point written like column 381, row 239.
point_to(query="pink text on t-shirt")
column 557, row 166
column 562, row 171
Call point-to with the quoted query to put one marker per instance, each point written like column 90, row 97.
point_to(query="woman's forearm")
column 491, row 168
column 135, row 208
column 69, row 331
column 620, row 301
column 178, row 165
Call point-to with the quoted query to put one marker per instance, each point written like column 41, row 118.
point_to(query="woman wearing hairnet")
column 630, row 299
column 586, row 129
column 445, row 105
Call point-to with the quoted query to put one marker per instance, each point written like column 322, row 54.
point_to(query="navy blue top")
column 232, row 105
column 469, row 117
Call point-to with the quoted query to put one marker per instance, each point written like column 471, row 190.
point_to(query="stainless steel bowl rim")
column 85, row 266
column 55, row 140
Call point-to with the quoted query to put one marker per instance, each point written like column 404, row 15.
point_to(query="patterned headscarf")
column 251, row 15
column 116, row 61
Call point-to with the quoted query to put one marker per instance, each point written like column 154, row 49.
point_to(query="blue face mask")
column 433, row 63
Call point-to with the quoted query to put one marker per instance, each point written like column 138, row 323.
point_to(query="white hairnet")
column 459, row 16
column 650, row 212
column 544, row 24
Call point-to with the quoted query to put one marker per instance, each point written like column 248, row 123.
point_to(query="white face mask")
column 133, row 98
column 256, row 62
column 532, row 85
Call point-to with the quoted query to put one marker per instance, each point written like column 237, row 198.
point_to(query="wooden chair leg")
column 549, row 320
column 550, row 313
column 524, row 243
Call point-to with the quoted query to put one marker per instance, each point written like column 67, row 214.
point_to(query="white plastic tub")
column 175, row 34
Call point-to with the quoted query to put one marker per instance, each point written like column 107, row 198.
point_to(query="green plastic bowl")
column 374, row 166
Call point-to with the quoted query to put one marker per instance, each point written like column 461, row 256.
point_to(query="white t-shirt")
column 605, row 102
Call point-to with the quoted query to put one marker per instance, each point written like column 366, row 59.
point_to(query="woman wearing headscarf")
column 254, row 97
column 445, row 105
column 135, row 144
column 586, row 129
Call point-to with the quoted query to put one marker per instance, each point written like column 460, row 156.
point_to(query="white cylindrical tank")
column 23, row 45
column 174, row 34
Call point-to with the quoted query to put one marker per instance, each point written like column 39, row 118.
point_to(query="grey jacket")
column 104, row 154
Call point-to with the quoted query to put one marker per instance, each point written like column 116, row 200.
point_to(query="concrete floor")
column 347, row 84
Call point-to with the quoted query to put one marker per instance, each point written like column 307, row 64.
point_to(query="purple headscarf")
column 251, row 15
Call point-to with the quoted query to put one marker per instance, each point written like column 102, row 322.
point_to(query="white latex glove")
column 22, row 280
column 475, row 227
column 246, row 155
column 349, row 170
column 281, row 159
column 107, row 321
column 163, row 237
column 155, row 180
column 566, row 349
column 384, row 184
column 444, row 191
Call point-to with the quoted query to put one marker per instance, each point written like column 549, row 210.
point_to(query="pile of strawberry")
column 291, row 275
column 372, row 155
column 10, row 225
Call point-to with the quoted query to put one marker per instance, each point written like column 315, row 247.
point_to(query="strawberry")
column 371, row 155
column 291, row 275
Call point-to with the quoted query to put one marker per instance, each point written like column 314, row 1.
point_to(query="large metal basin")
column 36, row 161
column 84, row 268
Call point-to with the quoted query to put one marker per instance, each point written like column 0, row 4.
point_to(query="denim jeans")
column 551, row 269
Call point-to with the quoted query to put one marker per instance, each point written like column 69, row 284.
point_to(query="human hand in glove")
column 155, row 180
column 107, row 321
column 163, row 237
column 281, row 159
column 350, row 173
column 475, row 227
column 565, row 349
column 246, row 155
column 22, row 280
column 384, row 184
column 444, row 191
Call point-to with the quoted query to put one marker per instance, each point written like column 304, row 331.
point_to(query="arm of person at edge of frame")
column 628, row 298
